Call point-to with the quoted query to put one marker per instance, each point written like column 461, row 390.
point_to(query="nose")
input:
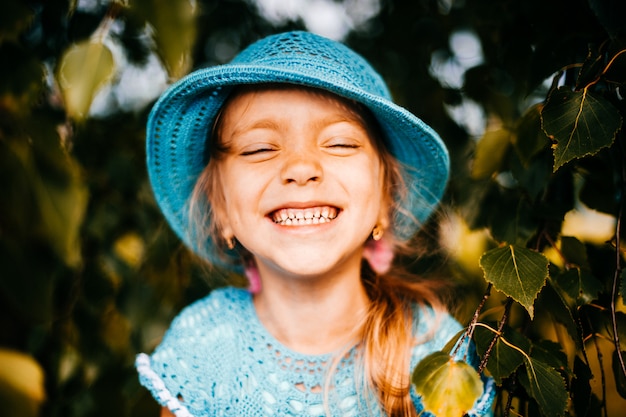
column 301, row 168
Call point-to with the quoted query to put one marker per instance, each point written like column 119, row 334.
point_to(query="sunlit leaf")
column 503, row 359
column 518, row 272
column 174, row 27
column 580, row 122
column 448, row 388
column 22, row 388
column 546, row 386
column 130, row 248
column 84, row 69
column 490, row 150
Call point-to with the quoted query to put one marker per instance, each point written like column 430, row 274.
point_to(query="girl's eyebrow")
column 257, row 124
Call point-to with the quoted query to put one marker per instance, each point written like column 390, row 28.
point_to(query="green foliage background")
column 90, row 274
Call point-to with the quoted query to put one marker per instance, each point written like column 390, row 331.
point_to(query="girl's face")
column 301, row 180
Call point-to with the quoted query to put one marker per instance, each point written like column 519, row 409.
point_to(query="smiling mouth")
column 303, row 217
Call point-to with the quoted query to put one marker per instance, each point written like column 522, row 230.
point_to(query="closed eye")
column 256, row 151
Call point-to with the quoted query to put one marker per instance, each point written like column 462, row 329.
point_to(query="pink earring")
column 254, row 278
column 378, row 253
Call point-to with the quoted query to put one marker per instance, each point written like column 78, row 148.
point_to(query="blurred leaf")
column 580, row 122
column 174, row 27
column 530, row 138
column 623, row 284
column 618, row 374
column 504, row 359
column 130, row 248
column 511, row 218
column 448, row 388
column 58, row 193
column 546, row 386
column 574, row 252
column 518, row 272
column 490, row 151
column 84, row 68
column 21, row 384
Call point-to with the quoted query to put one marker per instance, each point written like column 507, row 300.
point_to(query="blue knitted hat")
column 180, row 122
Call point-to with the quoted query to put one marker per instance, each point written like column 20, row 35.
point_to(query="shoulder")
column 221, row 304
column 207, row 322
column 433, row 329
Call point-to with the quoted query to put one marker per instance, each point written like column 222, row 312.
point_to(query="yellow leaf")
column 22, row 375
column 84, row 69
column 490, row 152
column 448, row 388
column 174, row 28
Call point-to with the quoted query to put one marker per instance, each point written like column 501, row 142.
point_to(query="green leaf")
column 518, row 272
column 58, row 189
column 552, row 301
column 503, row 359
column 546, row 386
column 580, row 122
column 447, row 387
column 84, row 68
column 580, row 285
column 490, row 152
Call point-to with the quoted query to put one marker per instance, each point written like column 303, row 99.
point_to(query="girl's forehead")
column 274, row 100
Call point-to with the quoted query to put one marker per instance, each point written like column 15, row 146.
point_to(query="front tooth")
column 283, row 215
column 324, row 212
column 299, row 215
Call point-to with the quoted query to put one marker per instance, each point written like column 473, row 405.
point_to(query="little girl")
column 292, row 165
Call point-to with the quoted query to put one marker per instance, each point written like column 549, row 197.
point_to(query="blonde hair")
column 386, row 338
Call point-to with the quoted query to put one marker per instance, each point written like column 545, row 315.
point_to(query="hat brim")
column 180, row 122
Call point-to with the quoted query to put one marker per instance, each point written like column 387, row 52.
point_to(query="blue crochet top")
column 217, row 359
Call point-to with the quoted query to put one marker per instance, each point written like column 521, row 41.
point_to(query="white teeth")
column 297, row 217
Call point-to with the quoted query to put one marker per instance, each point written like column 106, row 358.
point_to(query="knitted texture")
column 217, row 359
column 180, row 124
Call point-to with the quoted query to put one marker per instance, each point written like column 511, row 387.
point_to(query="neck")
column 313, row 316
